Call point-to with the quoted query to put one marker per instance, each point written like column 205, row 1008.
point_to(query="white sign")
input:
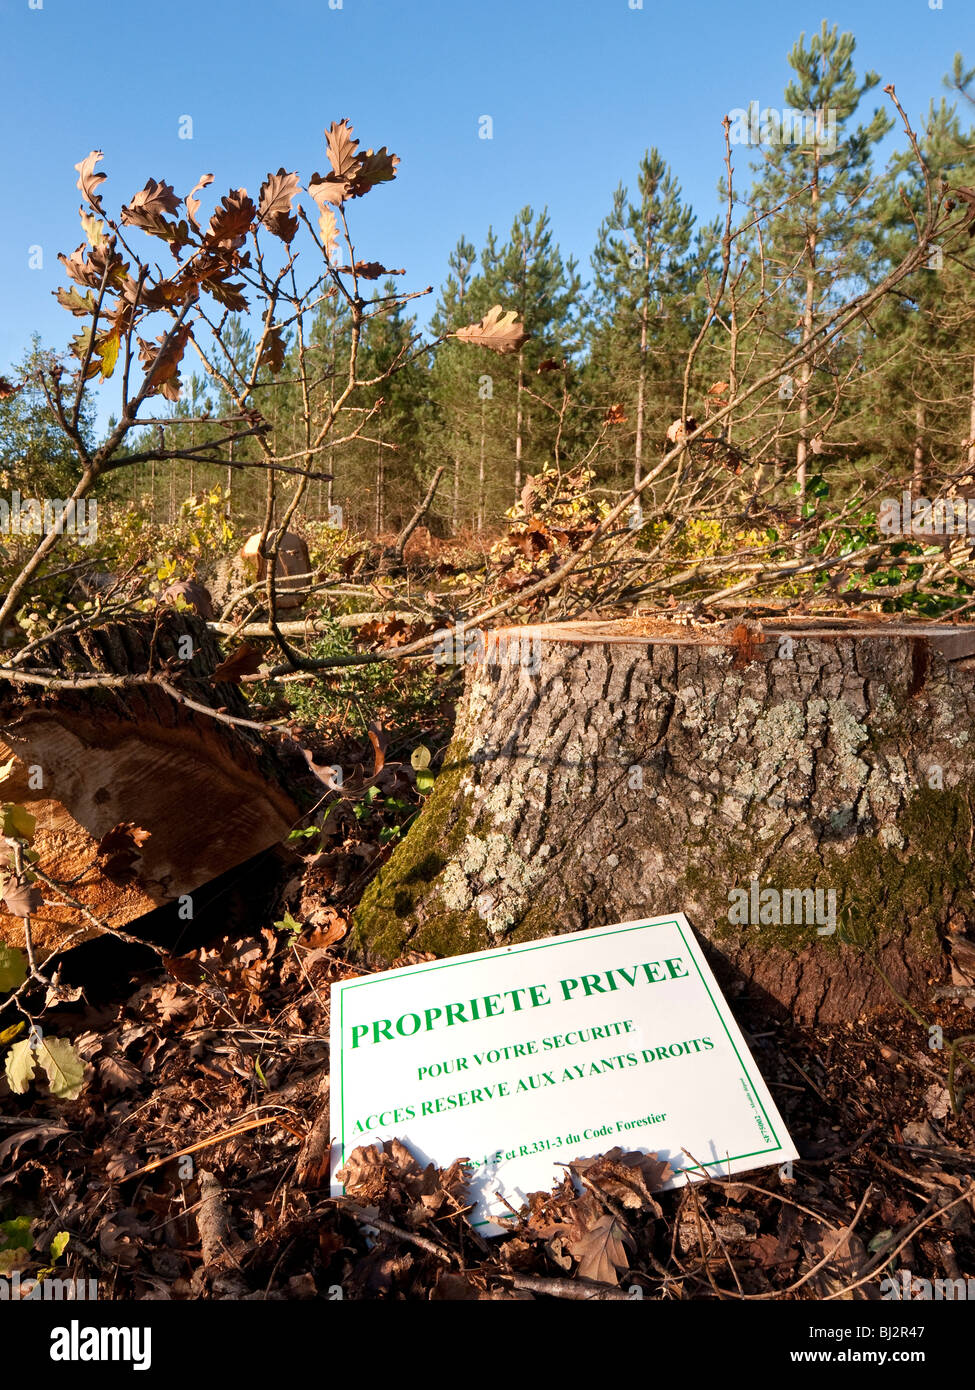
column 536, row 1054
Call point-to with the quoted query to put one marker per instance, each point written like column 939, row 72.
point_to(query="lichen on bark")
column 624, row 780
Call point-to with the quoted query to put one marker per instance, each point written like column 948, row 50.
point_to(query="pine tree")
column 822, row 219
column 643, row 312
column 35, row 456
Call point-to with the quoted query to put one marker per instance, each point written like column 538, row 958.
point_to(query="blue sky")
column 576, row 92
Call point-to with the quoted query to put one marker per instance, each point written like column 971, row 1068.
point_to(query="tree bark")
column 644, row 768
column 210, row 794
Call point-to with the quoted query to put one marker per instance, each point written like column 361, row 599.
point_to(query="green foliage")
column 36, row 457
column 13, row 967
column 58, row 1059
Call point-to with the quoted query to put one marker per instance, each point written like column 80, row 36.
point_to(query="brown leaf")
column 193, row 204
column 499, row 331
column 629, row 1178
column 232, row 220
column 22, row 898
column 272, row 352
column 117, row 1073
column 242, row 662
column 192, row 593
column 119, row 849
column 278, row 192
column 328, row 189
column 615, row 415
column 364, row 1173
column 600, row 1251
column 368, row 270
column 43, row 1134
column 7, row 389
column 341, row 146
column 380, row 742
column 329, row 926
column 678, row 430
column 353, row 174
column 374, row 167
column 551, row 364
column 80, row 306
column 162, row 363
column 228, row 293
column 147, row 207
column 171, row 1004
column 88, row 180
column 90, row 265
column 328, row 228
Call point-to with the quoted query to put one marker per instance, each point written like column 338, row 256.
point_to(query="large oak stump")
column 211, row 794
column 645, row 767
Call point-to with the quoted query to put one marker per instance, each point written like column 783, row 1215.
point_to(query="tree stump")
column 643, row 767
column 210, row 794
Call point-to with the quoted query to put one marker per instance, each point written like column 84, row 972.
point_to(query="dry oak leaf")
column 120, row 847
column 162, row 362
column 242, row 662
column 272, row 350
column 232, row 220
column 90, row 266
column 629, row 1178
column 147, row 207
column 193, row 204
column 375, row 166
column 329, row 229
column 615, row 415
column 678, row 431
column 88, row 180
column 501, row 332
column 342, row 149
column 193, row 594
column 7, row 389
column 42, row 1134
column 599, row 1248
column 22, row 898
column 278, row 192
column 364, row 1174
column 368, row 270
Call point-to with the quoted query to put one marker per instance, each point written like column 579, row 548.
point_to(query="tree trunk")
column 616, row 771
column 210, row 794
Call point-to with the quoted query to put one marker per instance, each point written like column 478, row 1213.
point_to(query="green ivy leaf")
column 288, row 923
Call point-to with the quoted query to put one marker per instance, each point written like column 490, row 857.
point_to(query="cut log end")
column 803, row 790
column 210, row 794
